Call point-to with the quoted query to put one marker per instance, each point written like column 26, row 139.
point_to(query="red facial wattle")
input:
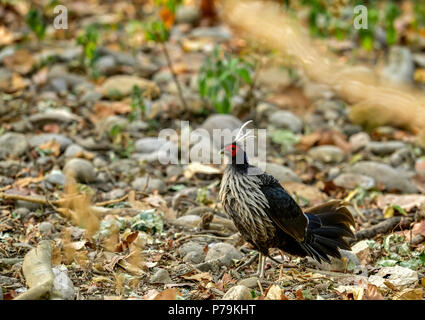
column 232, row 149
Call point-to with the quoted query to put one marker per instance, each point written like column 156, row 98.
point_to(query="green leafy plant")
column 285, row 138
column 391, row 13
column 221, row 78
column 137, row 104
column 398, row 252
column 35, row 21
column 89, row 41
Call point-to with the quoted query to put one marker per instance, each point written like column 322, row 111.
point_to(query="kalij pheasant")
column 268, row 217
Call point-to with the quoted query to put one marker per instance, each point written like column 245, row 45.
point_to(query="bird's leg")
column 261, row 263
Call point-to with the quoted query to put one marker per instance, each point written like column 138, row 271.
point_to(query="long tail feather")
column 328, row 224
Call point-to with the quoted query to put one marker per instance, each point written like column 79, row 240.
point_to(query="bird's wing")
column 283, row 210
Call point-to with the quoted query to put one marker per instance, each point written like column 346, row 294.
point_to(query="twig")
column 105, row 203
column 249, row 262
column 176, row 80
column 6, row 196
column 203, row 235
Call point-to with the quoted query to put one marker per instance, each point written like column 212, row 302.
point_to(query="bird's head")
column 235, row 151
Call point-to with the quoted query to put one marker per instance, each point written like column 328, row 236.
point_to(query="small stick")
column 105, row 203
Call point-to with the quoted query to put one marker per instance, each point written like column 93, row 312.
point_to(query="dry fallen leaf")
column 52, row 147
column 409, row 294
column 168, row 294
column 275, row 293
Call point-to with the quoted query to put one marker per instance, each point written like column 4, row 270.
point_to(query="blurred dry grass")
column 373, row 103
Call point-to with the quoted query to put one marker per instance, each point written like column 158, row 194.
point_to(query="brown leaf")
column 299, row 295
column 372, row 293
column 21, row 61
column 167, row 16
column 409, row 294
column 168, row 294
column 51, row 146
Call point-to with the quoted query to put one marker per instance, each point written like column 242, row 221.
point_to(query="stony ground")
column 122, row 225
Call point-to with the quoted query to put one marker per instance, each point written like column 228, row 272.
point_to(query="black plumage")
column 268, row 217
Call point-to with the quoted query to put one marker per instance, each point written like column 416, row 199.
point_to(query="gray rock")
column 106, row 125
column 217, row 33
column 391, row 178
column 64, row 142
column 72, row 150
column 224, row 252
column 189, row 221
column 127, row 167
column 286, row 120
column 161, row 276
column 281, row 173
column 123, row 85
column 189, row 247
column 106, row 65
column 188, row 14
column 32, row 206
column 224, row 122
column 12, row 145
column 81, row 169
column 238, row 292
column 115, row 194
column 99, row 162
column 156, row 149
column 352, row 262
column 149, row 145
column 63, row 288
column 399, row 68
column 90, row 97
column 353, row 180
column 402, row 155
column 46, row 227
column 174, row 171
column 142, row 184
column 251, row 282
column 10, row 168
column 327, row 154
column 50, row 116
column 137, row 126
column 56, row 177
column 358, row 141
column 384, row 148
column 194, row 257
column 21, row 212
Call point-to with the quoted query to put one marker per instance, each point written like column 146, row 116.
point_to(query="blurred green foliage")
column 35, row 21
column 221, row 78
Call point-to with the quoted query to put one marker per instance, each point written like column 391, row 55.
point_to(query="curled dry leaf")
column 196, row 167
column 275, row 293
column 410, row 294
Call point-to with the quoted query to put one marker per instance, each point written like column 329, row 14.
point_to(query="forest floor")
column 79, row 167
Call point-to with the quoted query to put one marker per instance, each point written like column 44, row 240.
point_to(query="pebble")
column 10, row 168
column 64, row 142
column 123, row 85
column 238, row 292
column 391, row 178
column 190, row 246
column 190, row 221
column 188, row 14
column 161, row 276
column 194, row 257
column 251, row 282
column 384, row 148
column 63, row 288
column 327, row 154
column 353, row 180
column 399, row 66
column 174, row 171
column 359, row 141
column 142, row 184
column 221, row 122
column 46, row 227
column 224, row 252
column 115, row 194
column 281, row 173
column 286, row 120
column 398, row 276
column 72, row 150
column 12, row 145
column 82, row 170
column 21, row 212
column 56, row 177
column 216, row 33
